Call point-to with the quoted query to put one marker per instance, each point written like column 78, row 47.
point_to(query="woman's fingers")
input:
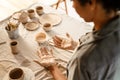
column 58, row 38
column 51, row 52
column 36, row 61
column 68, row 35
column 39, row 53
column 44, row 52
column 57, row 41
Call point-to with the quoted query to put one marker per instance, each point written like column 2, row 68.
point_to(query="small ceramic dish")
column 51, row 18
column 16, row 15
column 31, row 26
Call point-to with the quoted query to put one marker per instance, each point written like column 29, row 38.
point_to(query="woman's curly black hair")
column 107, row 4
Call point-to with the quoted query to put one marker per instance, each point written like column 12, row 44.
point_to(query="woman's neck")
column 102, row 17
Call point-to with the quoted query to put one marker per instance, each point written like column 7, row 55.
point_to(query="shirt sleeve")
column 81, row 73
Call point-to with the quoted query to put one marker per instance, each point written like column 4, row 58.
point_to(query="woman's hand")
column 46, row 57
column 47, row 60
column 65, row 43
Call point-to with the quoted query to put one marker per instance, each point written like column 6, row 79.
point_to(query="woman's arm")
column 48, row 61
column 57, row 74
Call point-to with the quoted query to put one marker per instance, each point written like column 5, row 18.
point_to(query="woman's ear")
column 92, row 4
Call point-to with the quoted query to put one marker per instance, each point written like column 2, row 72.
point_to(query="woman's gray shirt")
column 98, row 56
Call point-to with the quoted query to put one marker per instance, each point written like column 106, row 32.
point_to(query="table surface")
column 28, row 46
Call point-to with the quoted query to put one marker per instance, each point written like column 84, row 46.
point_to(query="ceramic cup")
column 16, row 74
column 24, row 17
column 39, row 10
column 31, row 13
column 47, row 26
column 14, row 47
column 12, row 33
column 41, row 37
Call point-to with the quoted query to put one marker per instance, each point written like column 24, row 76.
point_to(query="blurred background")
column 8, row 7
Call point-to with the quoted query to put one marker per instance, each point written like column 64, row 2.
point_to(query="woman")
column 98, row 54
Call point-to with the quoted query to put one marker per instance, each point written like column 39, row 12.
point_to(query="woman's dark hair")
column 107, row 4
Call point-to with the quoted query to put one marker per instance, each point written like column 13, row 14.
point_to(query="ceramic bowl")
column 41, row 37
column 47, row 26
column 31, row 26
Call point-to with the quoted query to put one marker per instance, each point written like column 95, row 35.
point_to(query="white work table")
column 28, row 46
